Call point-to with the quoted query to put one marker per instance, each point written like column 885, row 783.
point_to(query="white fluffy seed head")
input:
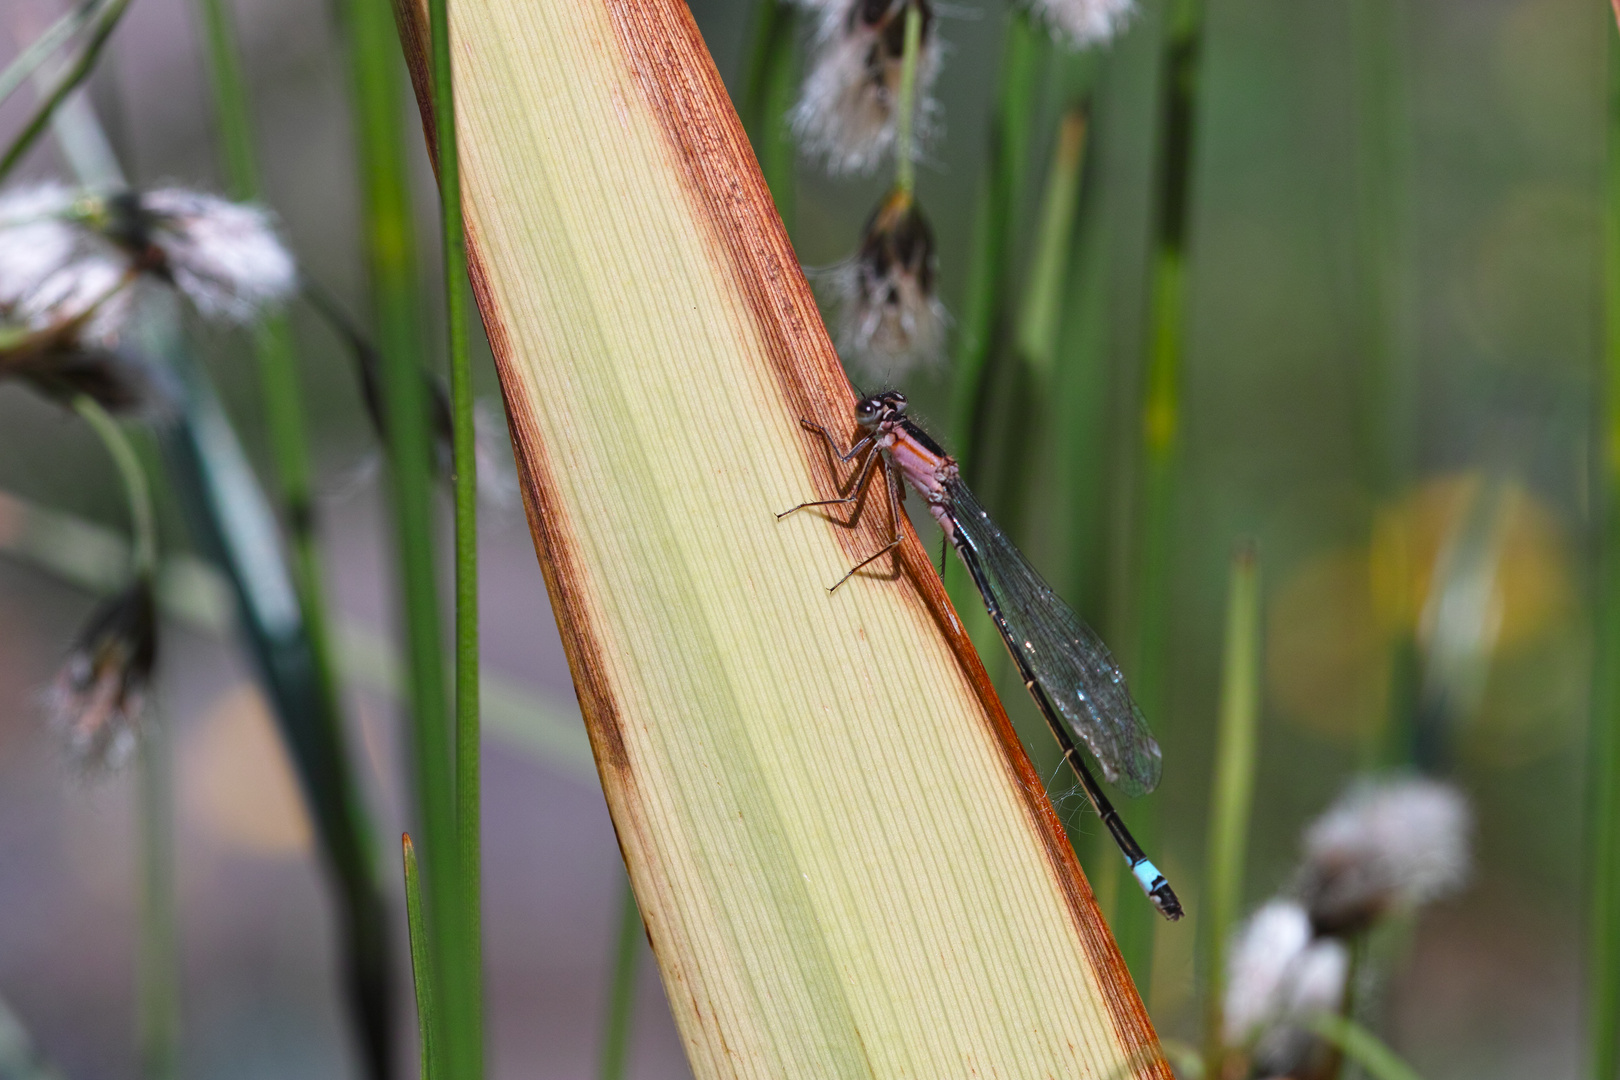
column 887, row 316
column 845, row 116
column 1080, row 23
column 1386, row 845
column 36, row 238
column 54, row 273
column 97, row 698
column 1316, row 985
column 96, row 288
column 1278, row 976
column 225, row 257
column 1262, row 953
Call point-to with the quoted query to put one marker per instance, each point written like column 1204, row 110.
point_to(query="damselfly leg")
column 874, row 459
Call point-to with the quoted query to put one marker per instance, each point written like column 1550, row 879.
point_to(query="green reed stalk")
column 42, row 48
column 1603, row 782
column 158, row 1031
column 232, row 522
column 1033, row 331
column 1232, row 793
column 1160, row 416
column 984, row 304
column 905, row 152
column 278, row 364
column 422, row 976
column 391, row 259
column 106, row 23
column 137, row 488
column 622, row 995
column 1377, row 165
column 767, row 94
column 1037, row 330
column 159, row 967
column 1362, row 1047
column 1380, row 339
column 345, row 833
column 465, row 1011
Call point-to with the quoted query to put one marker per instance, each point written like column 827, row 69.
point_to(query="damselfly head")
column 872, row 412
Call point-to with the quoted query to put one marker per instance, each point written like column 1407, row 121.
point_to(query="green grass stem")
column 1232, row 793
column 1378, row 167
column 105, row 23
column 389, row 247
column 42, row 48
column 465, row 1011
column 984, row 304
column 1362, row 1047
column 137, row 488
column 278, row 366
column 159, row 966
column 1037, row 329
column 1603, row 781
column 422, row 978
column 1147, row 654
column 621, row 1000
column 1381, row 337
column 767, row 95
column 232, row 520
column 905, row 121
column 282, row 401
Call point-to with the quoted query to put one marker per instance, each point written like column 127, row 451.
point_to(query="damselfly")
column 1065, row 666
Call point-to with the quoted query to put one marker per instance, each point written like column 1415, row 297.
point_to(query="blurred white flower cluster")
column 1080, row 23
column 71, row 262
column 847, row 112
column 1386, row 847
column 98, row 695
column 888, row 316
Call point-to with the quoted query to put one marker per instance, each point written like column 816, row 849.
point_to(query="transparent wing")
column 1065, row 656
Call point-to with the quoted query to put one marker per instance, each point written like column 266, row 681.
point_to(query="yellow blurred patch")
column 1334, row 621
column 237, row 785
column 1327, row 657
column 1415, row 536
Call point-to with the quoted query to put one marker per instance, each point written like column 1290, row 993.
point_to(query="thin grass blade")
column 1363, row 1047
column 422, row 976
column 1232, row 793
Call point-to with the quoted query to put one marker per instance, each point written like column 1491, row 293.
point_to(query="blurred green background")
column 1353, row 447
